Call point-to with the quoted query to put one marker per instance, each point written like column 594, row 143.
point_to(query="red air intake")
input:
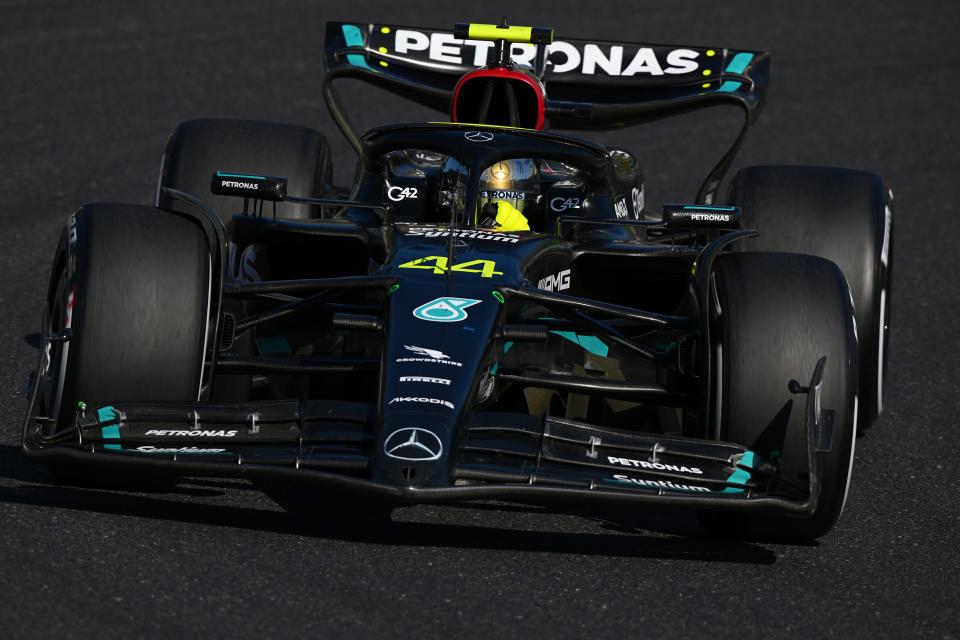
column 499, row 96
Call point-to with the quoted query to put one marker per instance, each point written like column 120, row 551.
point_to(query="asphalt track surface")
column 89, row 92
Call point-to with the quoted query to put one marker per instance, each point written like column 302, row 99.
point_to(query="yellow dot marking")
column 711, row 53
column 384, row 29
column 382, row 49
column 705, row 85
column 383, row 64
column 707, row 72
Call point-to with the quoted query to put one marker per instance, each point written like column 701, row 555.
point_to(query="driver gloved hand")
column 503, row 216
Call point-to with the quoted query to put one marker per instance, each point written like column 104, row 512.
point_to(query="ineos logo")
column 413, row 443
column 478, row 136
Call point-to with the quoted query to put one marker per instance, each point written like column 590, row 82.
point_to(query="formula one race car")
column 489, row 313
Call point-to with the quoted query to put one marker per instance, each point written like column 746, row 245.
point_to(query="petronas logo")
column 444, row 309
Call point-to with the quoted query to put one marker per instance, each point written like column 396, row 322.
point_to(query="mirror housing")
column 699, row 216
column 244, row 185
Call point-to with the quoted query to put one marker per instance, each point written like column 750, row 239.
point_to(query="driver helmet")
column 507, row 189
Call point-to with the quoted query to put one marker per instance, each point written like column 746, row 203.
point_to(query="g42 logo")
column 486, row 268
column 401, row 193
column 562, row 204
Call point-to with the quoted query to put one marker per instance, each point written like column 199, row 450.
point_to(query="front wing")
column 500, row 456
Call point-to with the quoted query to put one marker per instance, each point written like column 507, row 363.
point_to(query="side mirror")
column 244, row 185
column 700, row 216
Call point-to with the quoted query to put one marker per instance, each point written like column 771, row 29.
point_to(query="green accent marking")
column 354, row 38
column 221, row 174
column 507, row 346
column 591, row 344
column 113, row 447
column 274, row 345
column 499, row 296
column 392, row 288
column 740, row 476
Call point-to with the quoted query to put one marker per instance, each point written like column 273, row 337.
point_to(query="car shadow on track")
column 37, row 488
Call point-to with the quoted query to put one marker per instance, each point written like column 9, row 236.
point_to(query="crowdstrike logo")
column 430, row 353
column 413, row 443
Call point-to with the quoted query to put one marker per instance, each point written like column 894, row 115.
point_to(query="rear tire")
column 779, row 314
column 135, row 293
column 198, row 148
column 844, row 216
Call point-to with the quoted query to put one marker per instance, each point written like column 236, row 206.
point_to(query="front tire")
column 779, row 314
column 133, row 286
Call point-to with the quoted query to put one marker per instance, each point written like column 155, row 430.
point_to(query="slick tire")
column 778, row 314
column 842, row 215
column 133, row 285
column 198, row 148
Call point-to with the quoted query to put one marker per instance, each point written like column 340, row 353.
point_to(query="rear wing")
column 589, row 84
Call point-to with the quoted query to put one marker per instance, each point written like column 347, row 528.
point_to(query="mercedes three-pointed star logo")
column 413, row 443
column 478, row 136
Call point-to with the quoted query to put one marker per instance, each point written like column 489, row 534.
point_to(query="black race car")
column 489, row 313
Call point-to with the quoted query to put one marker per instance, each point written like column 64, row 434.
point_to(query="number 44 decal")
column 486, row 268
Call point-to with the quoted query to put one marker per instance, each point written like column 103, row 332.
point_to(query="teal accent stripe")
column 740, row 476
column 591, row 344
column 221, row 174
column 739, row 63
column 506, row 347
column 109, row 431
column 274, row 345
column 703, row 206
column 354, row 38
